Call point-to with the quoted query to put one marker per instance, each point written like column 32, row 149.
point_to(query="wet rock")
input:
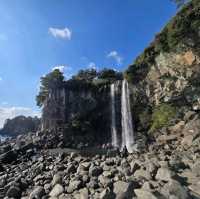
column 108, row 174
column 8, row 157
column 93, row 183
column 14, row 192
column 57, row 190
column 142, row 174
column 47, row 188
column 85, row 178
column 37, row 193
column 86, row 165
column 73, row 155
column 110, row 162
column 57, row 179
column 38, row 178
column 95, row 171
column 196, row 168
column 2, row 181
column 164, row 174
column 187, row 141
column 135, row 165
column 147, row 186
column 145, row 194
column 104, row 181
column 71, row 169
column 123, row 189
column 174, row 188
column 1, row 168
column 83, row 194
column 107, row 194
column 195, row 188
column 74, row 185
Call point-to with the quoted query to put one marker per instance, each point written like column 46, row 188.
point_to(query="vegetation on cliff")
column 84, row 79
column 182, row 32
column 52, row 80
column 161, row 116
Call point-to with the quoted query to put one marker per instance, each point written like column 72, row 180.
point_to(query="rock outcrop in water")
column 20, row 125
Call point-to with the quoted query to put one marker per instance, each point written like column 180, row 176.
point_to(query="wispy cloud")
column 11, row 112
column 64, row 33
column 115, row 55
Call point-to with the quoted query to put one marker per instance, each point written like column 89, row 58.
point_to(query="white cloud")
column 92, row 65
column 115, row 55
column 64, row 33
column 62, row 68
column 11, row 112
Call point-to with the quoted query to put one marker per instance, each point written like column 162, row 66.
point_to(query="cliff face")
column 20, row 125
column 168, row 71
column 79, row 112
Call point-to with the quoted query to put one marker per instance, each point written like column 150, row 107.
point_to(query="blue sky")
column 37, row 35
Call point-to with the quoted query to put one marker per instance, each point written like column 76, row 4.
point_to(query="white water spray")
column 126, row 120
column 113, row 116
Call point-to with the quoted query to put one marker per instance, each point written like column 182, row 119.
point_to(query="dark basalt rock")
column 20, row 125
column 8, row 157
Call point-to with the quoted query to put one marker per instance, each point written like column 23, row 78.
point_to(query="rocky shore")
column 169, row 168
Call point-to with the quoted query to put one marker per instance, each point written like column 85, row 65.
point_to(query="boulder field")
column 166, row 168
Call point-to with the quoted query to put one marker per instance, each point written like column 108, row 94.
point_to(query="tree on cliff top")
column 86, row 75
column 49, row 82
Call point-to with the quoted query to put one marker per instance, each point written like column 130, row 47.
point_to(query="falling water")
column 126, row 121
column 113, row 116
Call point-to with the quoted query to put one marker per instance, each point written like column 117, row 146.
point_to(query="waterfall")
column 113, row 116
column 126, row 139
column 126, row 121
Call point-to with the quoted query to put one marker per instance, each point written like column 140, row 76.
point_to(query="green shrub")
column 161, row 116
column 136, row 73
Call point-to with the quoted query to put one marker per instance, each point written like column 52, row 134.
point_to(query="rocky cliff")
column 20, row 125
column 165, row 77
column 81, row 110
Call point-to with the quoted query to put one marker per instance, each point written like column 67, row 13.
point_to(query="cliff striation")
column 80, row 109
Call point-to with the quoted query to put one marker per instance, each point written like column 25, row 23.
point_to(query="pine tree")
column 52, row 80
